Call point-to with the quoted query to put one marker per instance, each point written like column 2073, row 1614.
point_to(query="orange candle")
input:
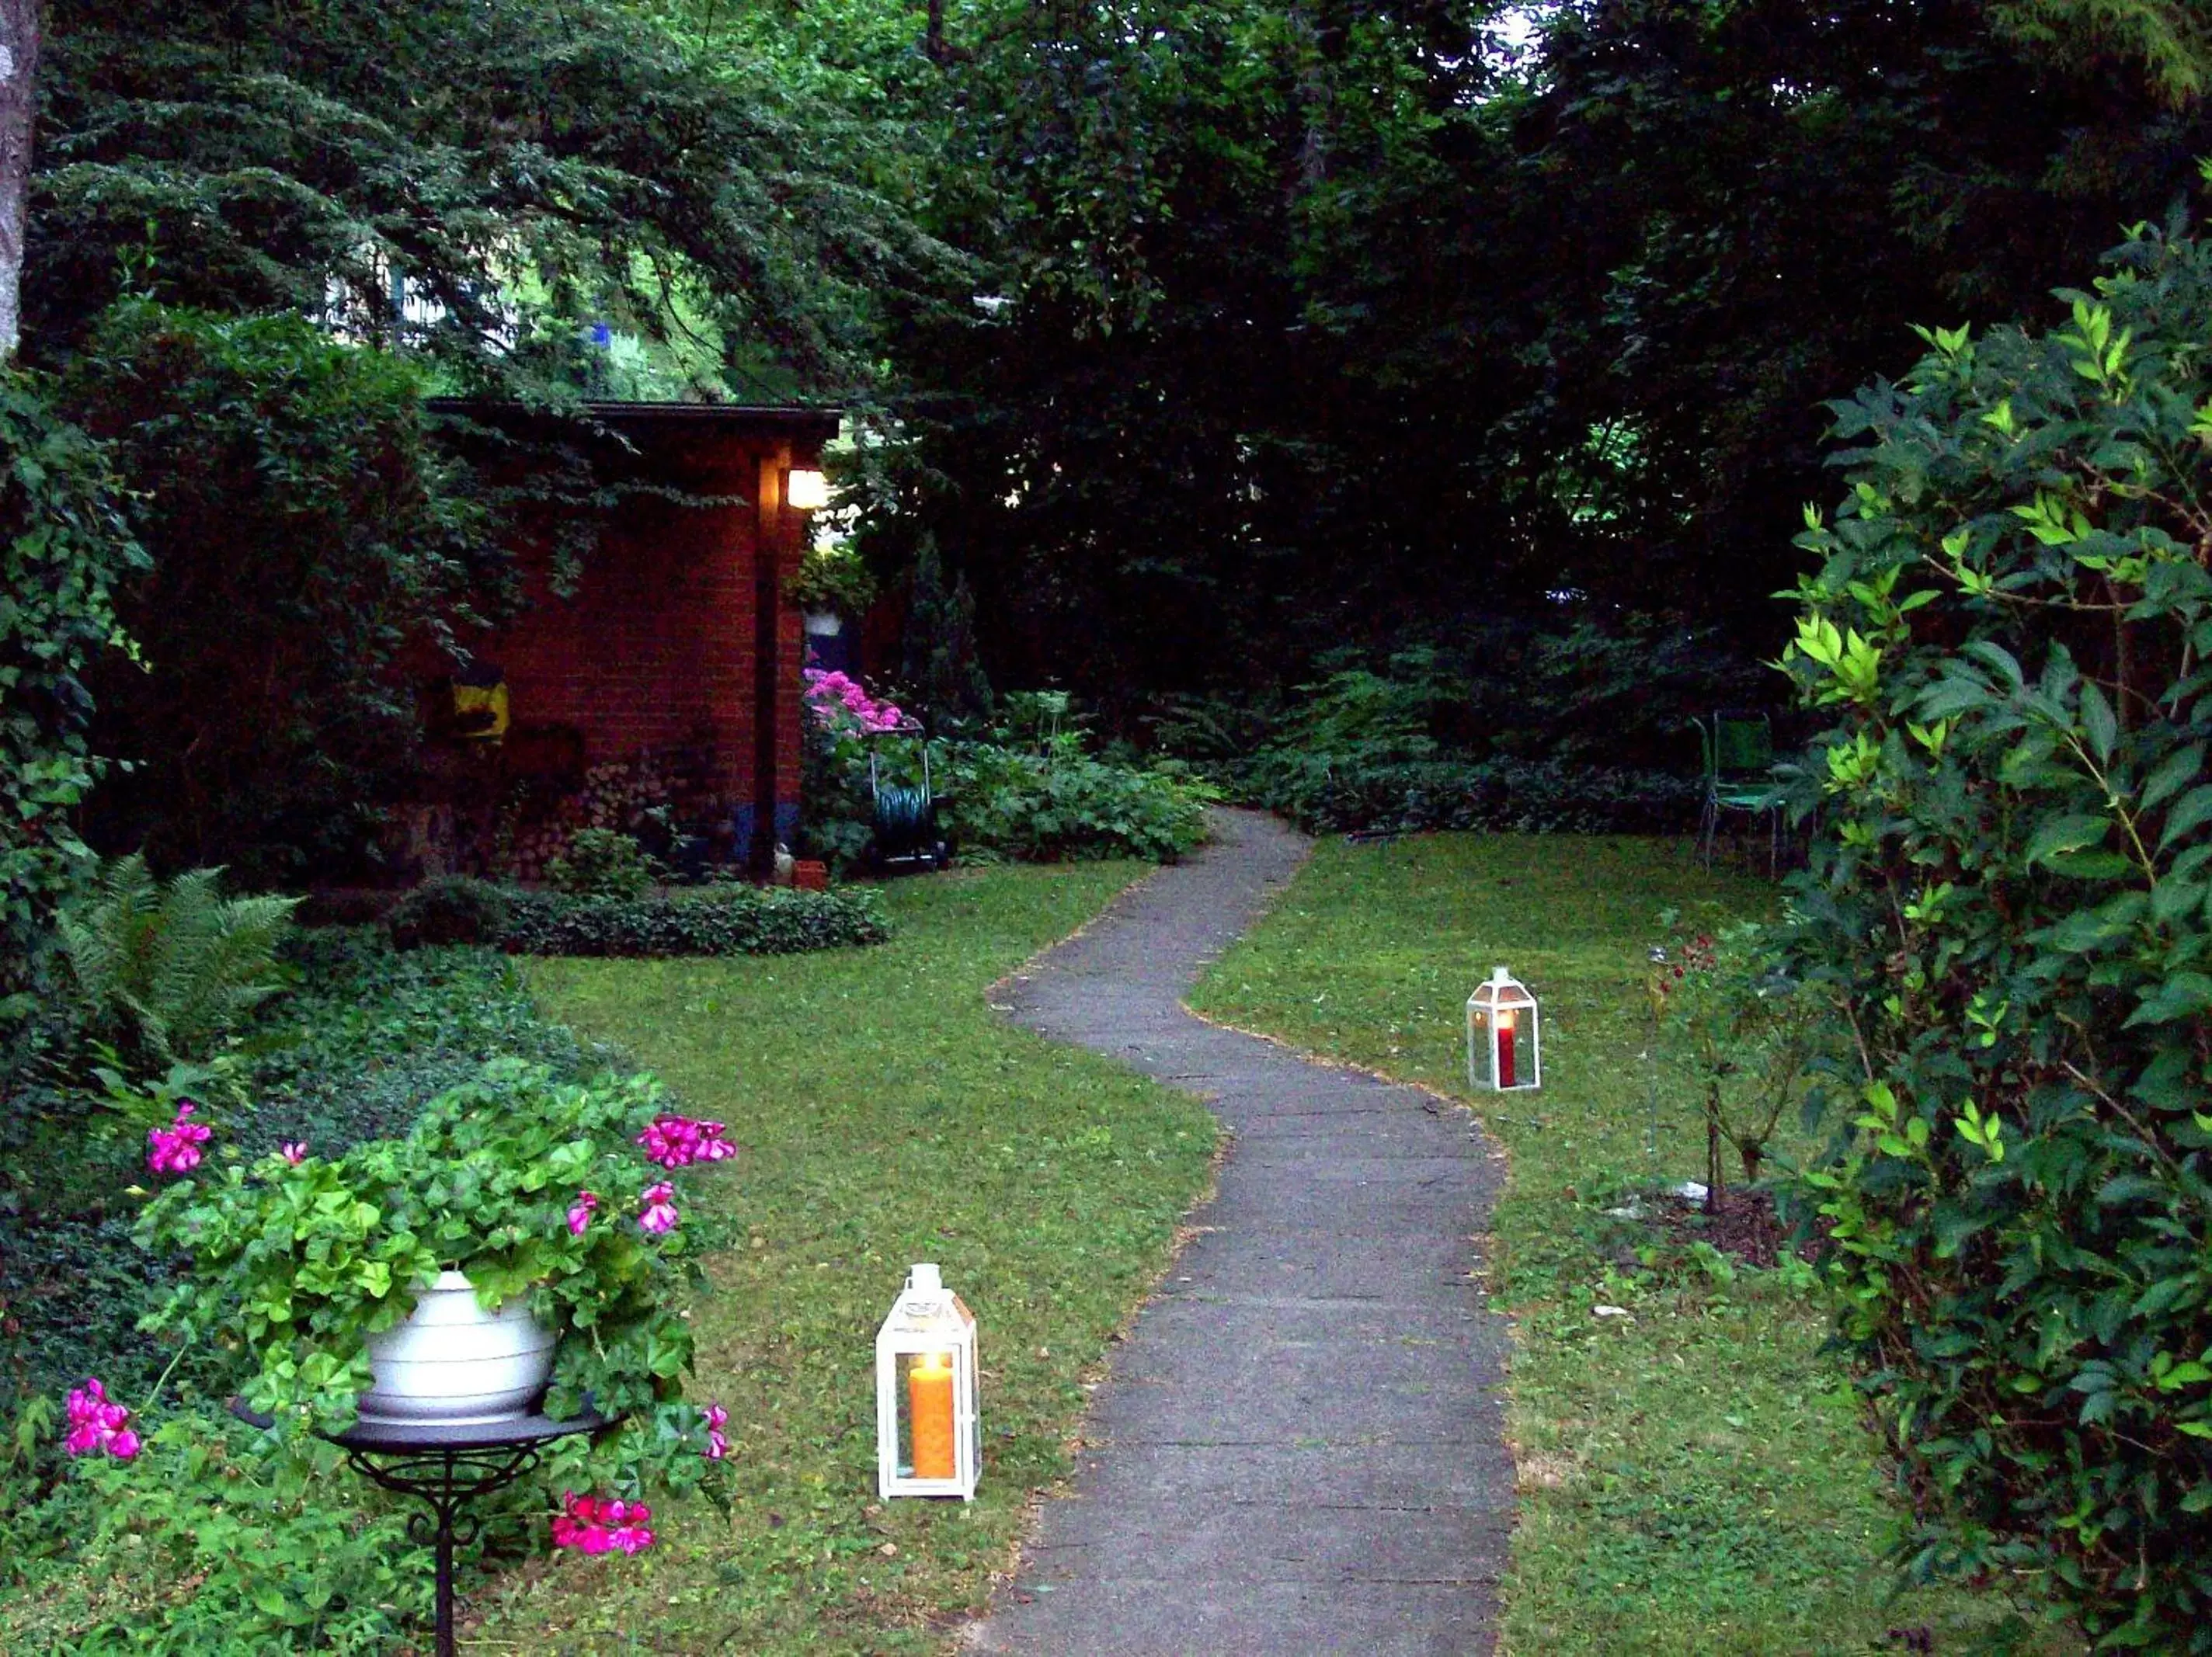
column 929, row 1407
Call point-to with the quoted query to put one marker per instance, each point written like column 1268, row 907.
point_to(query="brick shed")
column 675, row 656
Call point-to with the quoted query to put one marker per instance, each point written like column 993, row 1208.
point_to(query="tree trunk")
column 19, row 111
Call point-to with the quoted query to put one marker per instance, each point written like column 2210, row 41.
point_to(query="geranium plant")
column 535, row 1187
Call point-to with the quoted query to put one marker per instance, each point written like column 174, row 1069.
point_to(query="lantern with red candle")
column 1502, row 1053
column 928, row 1432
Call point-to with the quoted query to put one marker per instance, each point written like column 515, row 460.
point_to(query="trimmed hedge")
column 1324, row 794
column 701, row 920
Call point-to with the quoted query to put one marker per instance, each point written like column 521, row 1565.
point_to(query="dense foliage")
column 2008, row 901
column 64, row 547
column 1028, row 789
column 717, row 919
column 475, row 179
column 163, row 970
column 362, row 1037
column 1583, row 732
column 304, row 535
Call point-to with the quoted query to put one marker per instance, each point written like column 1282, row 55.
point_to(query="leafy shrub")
column 368, row 1034
column 301, row 1259
column 449, row 909
column 2009, row 900
column 1581, row 731
column 1050, row 807
column 305, row 535
column 164, row 969
column 229, row 1547
column 602, row 863
column 1324, row 792
column 1032, row 792
column 706, row 920
column 1742, row 1032
column 64, row 546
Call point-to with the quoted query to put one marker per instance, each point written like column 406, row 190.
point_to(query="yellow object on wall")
column 471, row 703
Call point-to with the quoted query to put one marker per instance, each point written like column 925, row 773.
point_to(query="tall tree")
column 18, row 112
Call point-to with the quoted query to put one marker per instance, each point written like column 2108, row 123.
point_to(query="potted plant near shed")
column 519, row 1245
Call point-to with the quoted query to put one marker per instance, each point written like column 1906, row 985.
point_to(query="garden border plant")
column 299, row 1258
column 2008, row 897
column 719, row 918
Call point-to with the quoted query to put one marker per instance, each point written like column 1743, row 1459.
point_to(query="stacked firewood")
column 617, row 794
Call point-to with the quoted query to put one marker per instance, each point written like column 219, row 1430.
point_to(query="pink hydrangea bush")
column 834, row 698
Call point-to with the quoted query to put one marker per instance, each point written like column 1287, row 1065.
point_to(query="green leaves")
column 2050, row 1246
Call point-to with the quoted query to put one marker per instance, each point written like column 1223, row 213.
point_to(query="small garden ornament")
column 926, row 1359
column 1502, row 1053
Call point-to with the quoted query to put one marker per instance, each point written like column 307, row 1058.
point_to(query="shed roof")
column 818, row 423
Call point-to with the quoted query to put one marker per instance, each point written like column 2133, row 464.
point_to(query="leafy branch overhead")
column 518, row 168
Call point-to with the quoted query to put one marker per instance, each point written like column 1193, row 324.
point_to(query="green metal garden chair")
column 1739, row 752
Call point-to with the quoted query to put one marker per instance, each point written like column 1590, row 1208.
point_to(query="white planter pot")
column 452, row 1362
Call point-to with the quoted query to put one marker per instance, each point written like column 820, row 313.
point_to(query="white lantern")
column 1503, row 1049
column 929, row 1437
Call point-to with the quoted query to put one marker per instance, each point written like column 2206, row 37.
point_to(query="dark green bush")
column 64, row 547
column 307, row 538
column 449, row 909
column 1053, row 806
column 705, row 920
column 1584, row 731
column 2007, row 899
column 1323, row 793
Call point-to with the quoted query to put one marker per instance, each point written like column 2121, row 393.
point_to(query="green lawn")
column 888, row 1116
column 1693, row 1476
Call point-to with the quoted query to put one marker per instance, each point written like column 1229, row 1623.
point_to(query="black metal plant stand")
column 447, row 1467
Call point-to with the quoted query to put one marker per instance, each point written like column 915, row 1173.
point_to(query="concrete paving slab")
column 1298, row 1447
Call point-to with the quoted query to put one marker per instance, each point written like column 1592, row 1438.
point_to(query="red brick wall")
column 654, row 648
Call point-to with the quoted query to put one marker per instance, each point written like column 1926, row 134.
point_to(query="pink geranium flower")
column 580, row 1212
column 679, row 1141
column 295, row 1151
column 176, row 1149
column 658, row 1213
column 97, row 1424
column 592, row 1525
column 717, row 1445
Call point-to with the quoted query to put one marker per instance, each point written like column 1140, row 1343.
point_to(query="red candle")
column 1505, row 1049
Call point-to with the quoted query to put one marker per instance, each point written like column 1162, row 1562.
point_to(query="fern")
column 164, row 972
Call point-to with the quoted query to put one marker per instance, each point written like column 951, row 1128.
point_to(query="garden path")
column 1298, row 1449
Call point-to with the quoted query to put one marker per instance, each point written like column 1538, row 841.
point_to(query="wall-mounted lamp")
column 805, row 489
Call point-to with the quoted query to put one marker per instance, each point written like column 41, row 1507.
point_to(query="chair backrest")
column 1742, row 744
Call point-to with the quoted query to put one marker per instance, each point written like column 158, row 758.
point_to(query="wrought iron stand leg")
column 446, row 1568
